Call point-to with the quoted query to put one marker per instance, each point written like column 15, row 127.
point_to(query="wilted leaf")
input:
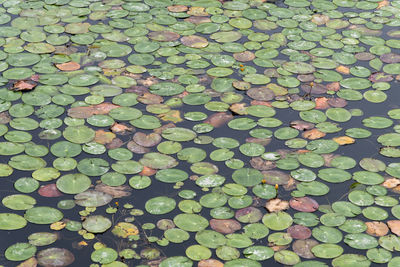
column 313, row 134
column 114, row 191
column 321, row 103
column 210, row 263
column 103, row 137
column 147, row 171
column 31, row 262
column 68, row 66
column 121, row 129
column 276, row 204
column 262, row 165
column 218, row 119
column 239, row 108
column 302, row 125
column 376, row 228
column 57, row 226
column 172, row 115
column 391, row 183
column 344, row 140
column 24, row 85
column 343, row 69
column 394, row 226
column 147, row 140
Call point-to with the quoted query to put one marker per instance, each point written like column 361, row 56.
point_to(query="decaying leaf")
column 218, row 119
column 121, row 129
column 394, row 226
column 24, row 85
column 103, row 137
column 321, row 103
column 343, row 69
column 313, row 134
column 344, row 140
column 302, row 125
column 239, row 108
column 376, row 228
column 57, row 226
column 31, row 262
column 172, row 115
column 210, row 263
column 147, row 171
column 114, row 191
column 276, row 204
column 68, row 66
column 391, row 183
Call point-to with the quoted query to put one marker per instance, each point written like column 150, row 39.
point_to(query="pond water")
column 206, row 133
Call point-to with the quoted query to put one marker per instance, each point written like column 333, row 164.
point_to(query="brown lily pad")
column 261, row 164
column 194, row 41
column 244, row 56
column 219, row 119
column 104, row 137
column 68, row 66
column 147, row 140
column 299, row 232
column 228, row 226
column 148, row 98
column 4, row 117
column 115, row 143
column 303, row 248
column 164, row 36
column 305, row 204
column 313, row 134
column 261, row 93
column 121, row 129
column 138, row 149
column 260, row 141
column 24, row 85
column 394, row 226
column 210, row 263
column 314, row 88
column 376, row 228
column 302, row 125
column 337, row 102
column 276, row 204
column 114, row 191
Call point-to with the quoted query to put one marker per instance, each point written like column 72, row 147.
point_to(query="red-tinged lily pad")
column 390, row 58
column 380, row 77
column 147, row 140
column 337, row 102
column 227, row 226
column 219, row 119
column 49, row 190
column 248, row 215
column 304, row 204
column 299, row 232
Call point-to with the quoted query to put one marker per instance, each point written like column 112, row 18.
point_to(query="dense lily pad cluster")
column 228, row 126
